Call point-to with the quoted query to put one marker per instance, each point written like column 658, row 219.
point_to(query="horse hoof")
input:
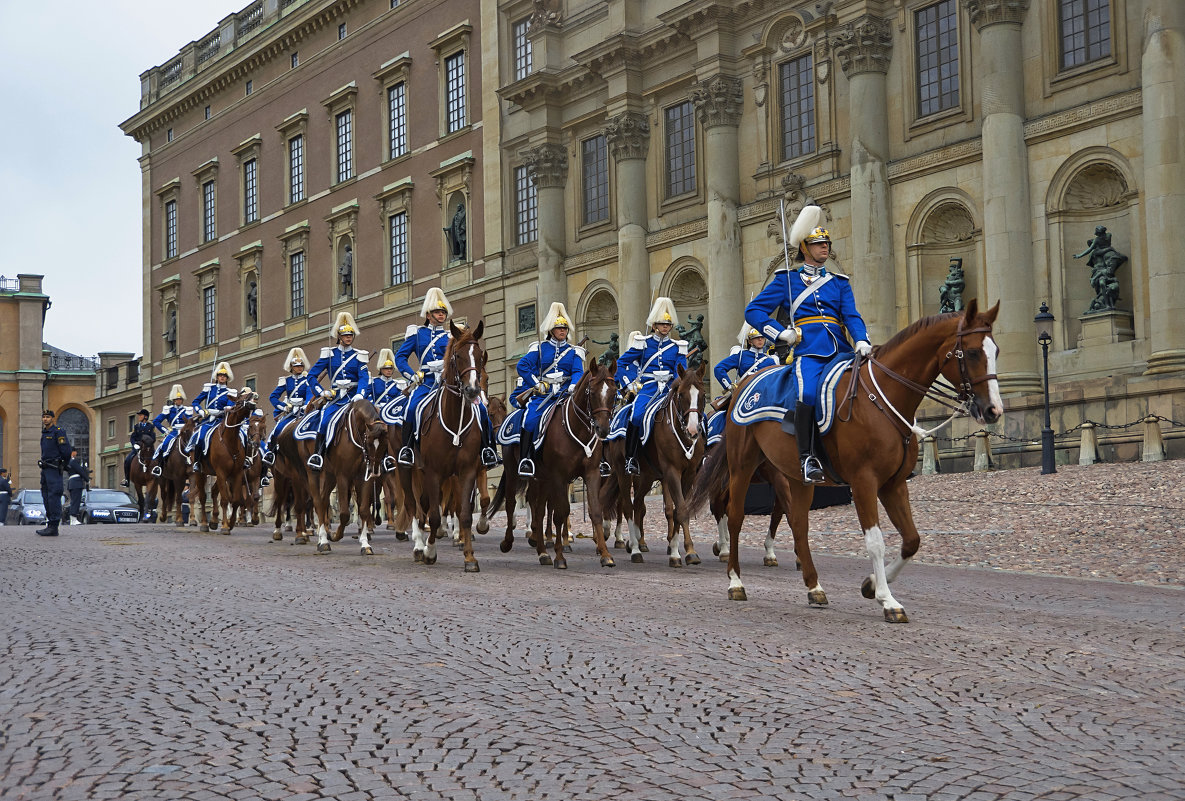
column 816, row 598
column 770, row 561
column 607, row 561
column 533, row 543
column 567, row 549
column 896, row 616
column 636, row 558
column 368, row 551
column 323, row 547
column 737, row 594
column 561, row 564
column 675, row 561
column 401, row 536
column 867, row 591
column 692, row 558
column 302, row 540
column 723, row 557
column 505, row 545
column 224, row 531
column 472, row 567
column 643, row 547
column 619, row 544
column 716, row 549
column 204, row 529
column 335, row 536
column 431, row 560
column 417, row 555
column 544, row 559
column 483, row 528
column 277, row 536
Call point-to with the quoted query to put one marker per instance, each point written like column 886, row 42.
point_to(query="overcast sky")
column 69, row 179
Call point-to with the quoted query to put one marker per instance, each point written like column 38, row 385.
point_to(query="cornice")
column 545, row 86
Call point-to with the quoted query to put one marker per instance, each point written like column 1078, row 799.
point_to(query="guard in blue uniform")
column 169, row 422
column 349, row 378
column 288, row 399
column 55, row 455
column 142, row 428
column 385, row 388
column 547, row 372
column 742, row 361
column 209, row 405
column 648, row 367
column 820, row 305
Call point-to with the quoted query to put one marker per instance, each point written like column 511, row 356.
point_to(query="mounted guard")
column 821, row 311
column 173, row 415
column 746, row 358
column 289, row 398
column 349, row 379
column 209, row 405
column 647, row 368
column 143, row 433
column 547, row 373
column 385, row 388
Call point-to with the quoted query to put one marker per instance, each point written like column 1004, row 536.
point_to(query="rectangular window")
column 248, row 87
column 938, row 57
column 295, row 60
column 680, row 145
column 209, row 229
column 1085, row 31
column 526, row 207
column 295, row 169
column 796, row 85
column 171, row 229
column 341, row 31
column 296, row 282
column 111, row 431
column 345, row 154
column 169, row 135
column 399, row 254
column 250, row 192
column 207, row 112
column 110, row 475
column 209, row 320
column 594, row 168
column 397, row 119
column 523, row 60
column 454, row 92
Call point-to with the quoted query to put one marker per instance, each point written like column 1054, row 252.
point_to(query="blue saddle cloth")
column 715, row 426
column 392, row 412
column 309, row 425
column 511, row 428
column 773, row 391
column 621, row 419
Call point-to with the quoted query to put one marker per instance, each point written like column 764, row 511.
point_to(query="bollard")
column 983, row 452
column 930, row 464
column 1088, row 451
column 1153, row 441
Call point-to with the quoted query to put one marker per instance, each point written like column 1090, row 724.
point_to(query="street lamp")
column 1044, row 321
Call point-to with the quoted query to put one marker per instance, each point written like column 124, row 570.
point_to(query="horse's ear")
column 611, row 367
column 990, row 314
column 456, row 332
column 480, row 327
column 702, row 370
column 971, row 312
column 680, row 369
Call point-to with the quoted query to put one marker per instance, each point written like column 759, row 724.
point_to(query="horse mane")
column 916, row 327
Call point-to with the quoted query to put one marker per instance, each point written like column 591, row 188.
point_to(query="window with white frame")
column 296, row 282
column 296, row 169
column 523, row 59
column 1085, row 31
column 937, row 31
column 526, row 207
column 250, row 191
column 170, row 229
column 594, row 168
column 345, row 145
column 209, row 316
column 397, row 224
column 209, row 226
column 397, row 119
column 454, row 92
column 796, row 87
column 680, row 149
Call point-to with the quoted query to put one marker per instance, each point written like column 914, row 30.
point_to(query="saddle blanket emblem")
column 392, row 413
column 773, row 391
column 511, row 428
column 307, row 427
column 621, row 418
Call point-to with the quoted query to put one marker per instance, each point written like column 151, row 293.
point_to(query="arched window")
column 78, row 429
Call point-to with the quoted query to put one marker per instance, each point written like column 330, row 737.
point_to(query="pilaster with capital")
column 547, row 165
column 719, row 100
column 864, row 45
column 992, row 12
column 628, row 137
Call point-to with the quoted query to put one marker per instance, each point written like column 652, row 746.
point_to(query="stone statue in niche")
column 950, row 295
column 697, row 346
column 1104, row 262
column 345, row 272
column 612, row 353
column 455, row 233
column 253, row 304
column 170, row 333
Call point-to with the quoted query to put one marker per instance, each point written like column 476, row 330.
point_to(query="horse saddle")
column 309, row 425
column 772, row 394
column 621, row 418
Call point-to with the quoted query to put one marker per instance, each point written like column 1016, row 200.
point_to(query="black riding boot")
column 489, row 456
column 804, row 429
column 407, row 454
column 633, row 441
column 526, row 452
column 315, row 461
column 127, row 470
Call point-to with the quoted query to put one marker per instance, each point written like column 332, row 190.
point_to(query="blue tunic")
column 213, row 397
column 428, row 343
column 646, row 360
column 560, row 364
column 348, row 376
column 384, row 391
column 175, row 416
column 822, row 317
column 299, row 391
column 742, row 363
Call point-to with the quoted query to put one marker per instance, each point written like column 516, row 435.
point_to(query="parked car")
column 27, row 508
column 108, row 506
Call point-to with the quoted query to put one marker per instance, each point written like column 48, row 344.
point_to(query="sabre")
column 785, row 236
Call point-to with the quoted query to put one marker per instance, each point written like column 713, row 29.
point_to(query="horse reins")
column 672, row 412
column 585, row 418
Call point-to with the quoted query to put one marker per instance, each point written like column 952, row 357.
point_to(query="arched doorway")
column 78, row 429
column 600, row 322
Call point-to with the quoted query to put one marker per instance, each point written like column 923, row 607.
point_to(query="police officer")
column 821, row 306
column 349, row 378
column 55, row 455
column 289, row 397
column 174, row 416
column 77, row 476
column 5, row 495
column 547, row 372
column 648, row 367
column 142, row 428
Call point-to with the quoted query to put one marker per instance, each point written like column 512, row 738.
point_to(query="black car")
column 27, row 508
column 108, row 506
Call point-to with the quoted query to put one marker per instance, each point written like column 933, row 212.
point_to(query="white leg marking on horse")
column 722, row 539
column 417, row 535
column 991, row 350
column 769, row 547
column 874, row 543
column 322, row 535
column 675, row 543
column 430, row 551
column 734, row 581
column 896, row 567
column 363, row 539
column 635, row 536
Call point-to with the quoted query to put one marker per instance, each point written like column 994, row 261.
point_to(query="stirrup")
column 631, row 467
column 812, row 470
column 488, row 457
column 269, row 458
column 526, row 468
column 265, row 482
column 123, row 483
column 314, row 462
column 604, row 469
column 388, row 464
column 407, row 457
column 156, row 471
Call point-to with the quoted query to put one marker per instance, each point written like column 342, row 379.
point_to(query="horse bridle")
column 674, row 415
column 585, row 418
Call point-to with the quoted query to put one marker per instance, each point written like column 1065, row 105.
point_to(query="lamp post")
column 1044, row 321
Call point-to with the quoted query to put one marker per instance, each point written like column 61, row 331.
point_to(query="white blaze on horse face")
column 471, row 369
column 991, row 350
column 693, row 414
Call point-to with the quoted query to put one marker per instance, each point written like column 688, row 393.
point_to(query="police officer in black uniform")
column 55, row 455
column 141, row 428
column 77, row 475
column 5, row 495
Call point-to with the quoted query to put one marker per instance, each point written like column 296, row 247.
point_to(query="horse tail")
column 499, row 496
column 610, row 492
column 711, row 481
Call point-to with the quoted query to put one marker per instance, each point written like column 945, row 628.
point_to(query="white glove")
column 435, row 365
column 863, row 348
column 789, row 336
column 359, row 396
column 135, row 447
column 327, row 393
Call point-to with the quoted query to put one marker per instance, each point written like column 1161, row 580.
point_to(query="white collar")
column 813, row 270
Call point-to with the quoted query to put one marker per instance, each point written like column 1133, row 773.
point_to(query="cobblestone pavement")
column 145, row 662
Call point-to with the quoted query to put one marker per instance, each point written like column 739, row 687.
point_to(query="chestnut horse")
column 572, row 447
column 672, row 456
column 872, row 444
column 290, row 482
column 253, row 469
column 225, row 460
column 450, row 445
column 175, row 471
column 140, row 474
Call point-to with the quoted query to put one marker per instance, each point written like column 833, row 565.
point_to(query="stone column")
column 719, row 102
column 1162, row 65
column 547, row 165
column 628, row 137
column 1007, row 210
column 863, row 48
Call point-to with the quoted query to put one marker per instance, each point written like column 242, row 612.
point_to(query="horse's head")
column 464, row 361
column 968, row 361
column 256, row 430
column 688, row 397
column 244, row 405
column 596, row 393
column 144, row 439
column 497, row 409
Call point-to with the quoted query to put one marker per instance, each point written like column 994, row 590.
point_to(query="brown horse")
column 175, row 471
column 672, row 456
column 290, row 483
column 253, row 469
column 224, row 463
column 572, row 447
column 719, row 509
column 450, row 445
column 352, row 460
column 872, row 444
column 140, row 474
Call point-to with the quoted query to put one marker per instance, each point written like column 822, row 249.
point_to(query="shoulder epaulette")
column 411, row 331
column 325, row 352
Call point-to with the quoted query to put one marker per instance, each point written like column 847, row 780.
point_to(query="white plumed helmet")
column 435, row 299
